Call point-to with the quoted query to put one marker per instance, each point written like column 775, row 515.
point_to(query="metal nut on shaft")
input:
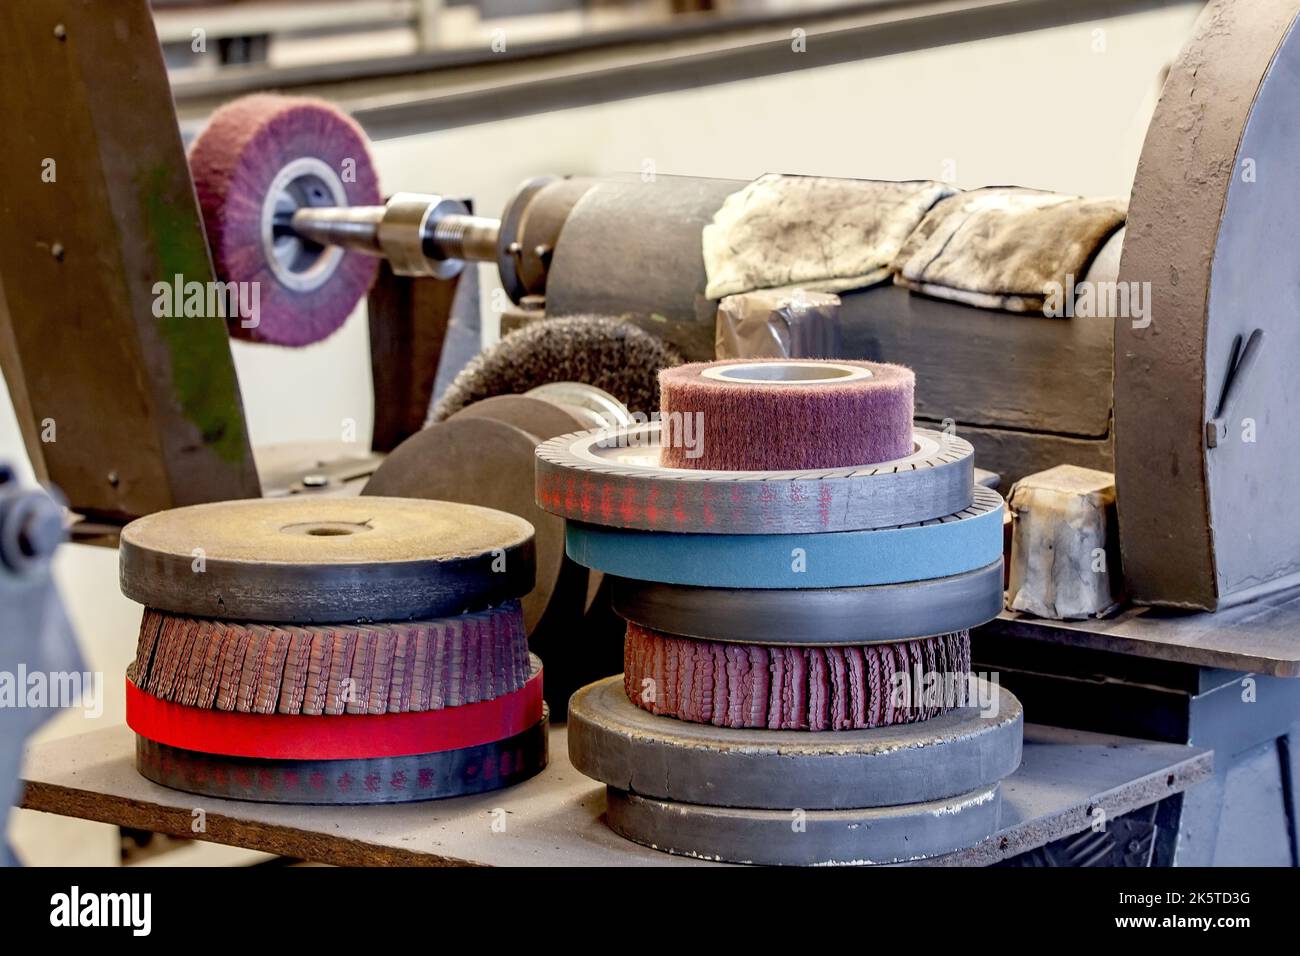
column 419, row 234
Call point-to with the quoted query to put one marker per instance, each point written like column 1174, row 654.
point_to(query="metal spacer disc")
column 614, row 741
column 537, row 416
column 304, row 560
column 613, row 477
column 800, row 837
column 481, row 461
column 875, row 614
column 596, row 406
column 509, row 253
column 954, row 544
column 544, row 420
column 447, row 773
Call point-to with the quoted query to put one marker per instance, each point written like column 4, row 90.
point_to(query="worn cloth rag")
column 823, row 234
column 1005, row 247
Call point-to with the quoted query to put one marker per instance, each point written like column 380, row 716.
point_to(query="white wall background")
column 1064, row 109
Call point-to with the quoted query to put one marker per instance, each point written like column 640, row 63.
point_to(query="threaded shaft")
column 471, row 238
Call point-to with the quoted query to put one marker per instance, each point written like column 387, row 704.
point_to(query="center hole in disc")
column 296, row 262
column 325, row 529
column 792, row 373
column 303, row 192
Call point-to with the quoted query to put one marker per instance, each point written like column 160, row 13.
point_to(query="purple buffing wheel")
column 785, row 414
column 260, row 158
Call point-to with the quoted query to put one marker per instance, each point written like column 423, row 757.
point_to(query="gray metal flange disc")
column 481, row 461
column 800, row 837
column 613, row 477
column 614, row 741
column 815, row 616
column 374, row 780
column 536, row 416
column 544, row 420
column 303, row 560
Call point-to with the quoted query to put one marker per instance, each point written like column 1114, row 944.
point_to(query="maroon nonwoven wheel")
column 784, row 687
column 330, row 669
column 785, row 414
column 238, row 161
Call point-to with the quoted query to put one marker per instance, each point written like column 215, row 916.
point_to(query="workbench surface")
column 555, row 818
column 1260, row 636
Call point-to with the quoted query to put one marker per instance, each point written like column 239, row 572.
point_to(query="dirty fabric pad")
column 999, row 248
column 824, row 234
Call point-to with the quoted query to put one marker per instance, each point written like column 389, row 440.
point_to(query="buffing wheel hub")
column 300, row 264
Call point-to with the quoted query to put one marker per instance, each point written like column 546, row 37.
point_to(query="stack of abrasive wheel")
column 799, row 569
column 333, row 651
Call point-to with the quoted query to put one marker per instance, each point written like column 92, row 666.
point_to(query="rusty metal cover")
column 1204, row 471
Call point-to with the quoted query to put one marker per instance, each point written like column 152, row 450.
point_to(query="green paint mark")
column 203, row 374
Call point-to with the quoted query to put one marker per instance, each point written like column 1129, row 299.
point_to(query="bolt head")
column 31, row 529
column 41, row 532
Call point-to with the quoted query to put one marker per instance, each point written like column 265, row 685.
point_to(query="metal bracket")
column 1240, row 362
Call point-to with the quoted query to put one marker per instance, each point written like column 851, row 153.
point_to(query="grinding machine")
column 316, row 232
column 1164, row 399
